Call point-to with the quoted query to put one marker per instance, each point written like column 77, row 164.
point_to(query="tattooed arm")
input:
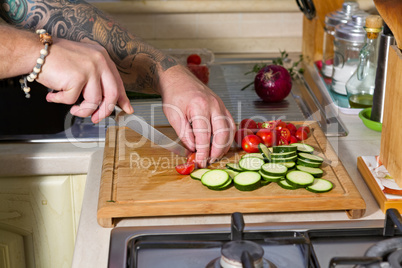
column 141, row 67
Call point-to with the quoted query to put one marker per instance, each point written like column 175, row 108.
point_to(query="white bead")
column 27, row 95
column 43, row 52
column 39, row 61
column 30, row 79
column 36, row 70
column 21, row 80
column 41, row 31
column 27, row 89
column 33, row 76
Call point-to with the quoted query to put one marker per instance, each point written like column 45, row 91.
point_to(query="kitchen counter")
column 92, row 242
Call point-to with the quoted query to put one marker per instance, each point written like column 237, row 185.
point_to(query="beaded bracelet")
column 46, row 39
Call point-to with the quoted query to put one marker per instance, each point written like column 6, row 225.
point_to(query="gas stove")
column 358, row 243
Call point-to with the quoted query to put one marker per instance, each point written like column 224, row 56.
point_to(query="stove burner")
column 384, row 249
column 395, row 259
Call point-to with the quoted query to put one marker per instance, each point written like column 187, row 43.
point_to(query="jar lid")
column 342, row 15
column 352, row 31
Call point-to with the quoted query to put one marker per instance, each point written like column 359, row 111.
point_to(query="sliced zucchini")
column 299, row 178
column 197, row 174
column 269, row 178
column 273, row 169
column 285, row 185
column 283, row 155
column 265, row 151
column 289, row 165
column 258, row 155
column 247, row 181
column 311, row 157
column 303, row 148
column 227, row 185
column 307, row 163
column 316, row 172
column 234, row 166
column 251, row 163
column 283, row 160
column 284, row 148
column 320, row 186
column 232, row 173
column 215, row 178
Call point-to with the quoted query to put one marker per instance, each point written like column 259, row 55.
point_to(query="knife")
column 140, row 126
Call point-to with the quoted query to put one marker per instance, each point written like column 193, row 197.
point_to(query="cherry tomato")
column 284, row 132
column 241, row 133
column 248, row 123
column 280, row 125
column 282, row 141
column 293, row 139
column 194, row 59
column 250, row 143
column 259, row 125
column 185, row 169
column 267, row 136
column 269, row 124
column 305, row 128
column 191, row 158
column 292, row 128
column 200, row 71
column 301, row 135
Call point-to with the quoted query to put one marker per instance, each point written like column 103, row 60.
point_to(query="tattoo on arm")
column 137, row 62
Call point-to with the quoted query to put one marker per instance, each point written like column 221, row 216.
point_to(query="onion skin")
column 273, row 83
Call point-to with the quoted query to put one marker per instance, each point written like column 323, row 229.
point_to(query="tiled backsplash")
column 219, row 32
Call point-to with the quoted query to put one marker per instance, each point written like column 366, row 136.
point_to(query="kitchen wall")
column 223, row 26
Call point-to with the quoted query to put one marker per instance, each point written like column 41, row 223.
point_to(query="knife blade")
column 141, row 126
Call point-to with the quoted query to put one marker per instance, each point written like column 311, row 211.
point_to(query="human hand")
column 185, row 100
column 75, row 68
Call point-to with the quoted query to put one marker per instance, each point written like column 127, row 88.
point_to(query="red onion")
column 273, row 83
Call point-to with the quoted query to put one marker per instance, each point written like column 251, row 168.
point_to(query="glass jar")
column 333, row 19
column 360, row 86
column 349, row 40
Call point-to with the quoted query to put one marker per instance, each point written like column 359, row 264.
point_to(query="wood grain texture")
column 142, row 181
column 378, row 194
column 391, row 140
column 390, row 11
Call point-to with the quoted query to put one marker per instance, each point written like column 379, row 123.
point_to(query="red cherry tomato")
column 280, row 125
column 185, row 169
column 200, row 71
column 293, row 139
column 259, row 125
column 292, row 128
column 284, row 132
column 305, row 128
column 250, row 143
column 301, row 135
column 269, row 124
column 267, row 136
column 248, row 123
column 241, row 133
column 282, row 141
column 191, row 158
column 194, row 59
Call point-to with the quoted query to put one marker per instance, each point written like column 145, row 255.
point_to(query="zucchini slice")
column 311, row 157
column 299, row 178
column 289, row 165
column 273, row 169
column 251, row 163
column 283, row 160
column 284, row 148
column 215, row 178
column 307, row 163
column 227, row 185
column 197, row 174
column 285, row 185
column 232, row 173
column 320, row 186
column 316, row 172
column 283, row 155
column 247, row 181
column 269, row 178
column 258, row 155
column 264, row 150
column 303, row 148
column 234, row 166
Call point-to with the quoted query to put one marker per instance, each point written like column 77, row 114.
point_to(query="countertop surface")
column 92, row 243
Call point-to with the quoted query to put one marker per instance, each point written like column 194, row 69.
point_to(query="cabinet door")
column 44, row 211
column 11, row 250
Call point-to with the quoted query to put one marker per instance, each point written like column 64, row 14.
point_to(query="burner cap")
column 233, row 250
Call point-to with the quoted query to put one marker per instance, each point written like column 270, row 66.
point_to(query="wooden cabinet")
column 39, row 219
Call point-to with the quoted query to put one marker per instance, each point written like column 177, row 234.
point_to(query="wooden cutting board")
column 139, row 180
